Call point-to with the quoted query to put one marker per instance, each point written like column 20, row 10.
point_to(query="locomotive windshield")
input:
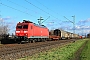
column 19, row 26
column 25, row 26
column 22, row 26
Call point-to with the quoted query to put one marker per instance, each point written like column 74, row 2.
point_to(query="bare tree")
column 3, row 27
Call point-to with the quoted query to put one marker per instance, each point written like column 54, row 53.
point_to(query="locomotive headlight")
column 25, row 31
column 17, row 31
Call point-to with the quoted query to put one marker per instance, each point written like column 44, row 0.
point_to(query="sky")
column 56, row 13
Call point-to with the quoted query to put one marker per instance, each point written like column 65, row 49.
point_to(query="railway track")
column 16, row 51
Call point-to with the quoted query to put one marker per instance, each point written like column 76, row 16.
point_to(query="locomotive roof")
column 39, row 25
column 27, row 21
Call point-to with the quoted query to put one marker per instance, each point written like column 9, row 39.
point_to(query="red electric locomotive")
column 30, row 32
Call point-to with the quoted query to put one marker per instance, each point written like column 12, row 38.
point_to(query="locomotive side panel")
column 40, row 32
column 36, row 31
column 30, row 30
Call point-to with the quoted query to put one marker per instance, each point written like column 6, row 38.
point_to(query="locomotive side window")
column 19, row 26
column 25, row 26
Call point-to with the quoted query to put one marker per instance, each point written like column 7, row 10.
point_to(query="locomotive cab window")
column 19, row 26
column 25, row 26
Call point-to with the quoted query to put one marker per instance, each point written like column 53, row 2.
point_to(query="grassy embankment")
column 65, row 52
column 85, row 55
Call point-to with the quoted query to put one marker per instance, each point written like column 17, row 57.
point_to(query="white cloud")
column 83, row 21
column 50, row 23
column 82, row 27
column 1, row 19
column 7, row 18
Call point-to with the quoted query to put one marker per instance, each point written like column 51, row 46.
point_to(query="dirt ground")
column 78, row 52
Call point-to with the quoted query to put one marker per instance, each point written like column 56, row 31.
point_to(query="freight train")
column 31, row 32
column 28, row 31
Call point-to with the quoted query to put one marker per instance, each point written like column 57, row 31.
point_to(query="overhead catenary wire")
column 27, row 8
column 36, row 6
column 72, row 22
column 51, row 11
column 30, row 9
column 40, row 9
column 54, row 12
column 17, row 4
column 46, row 7
column 21, row 6
column 16, row 9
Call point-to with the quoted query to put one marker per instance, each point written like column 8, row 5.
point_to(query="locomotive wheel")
column 29, row 41
column 19, row 42
column 44, row 40
column 33, row 41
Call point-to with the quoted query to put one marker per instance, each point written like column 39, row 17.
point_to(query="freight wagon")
column 61, row 34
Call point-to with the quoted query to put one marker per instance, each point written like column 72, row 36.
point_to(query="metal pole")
column 73, row 24
column 39, row 21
